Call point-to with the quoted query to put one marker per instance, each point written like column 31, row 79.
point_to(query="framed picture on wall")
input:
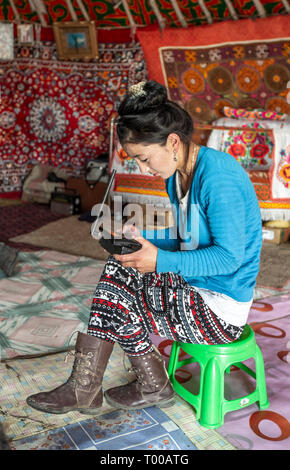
column 6, row 41
column 76, row 40
column 25, row 34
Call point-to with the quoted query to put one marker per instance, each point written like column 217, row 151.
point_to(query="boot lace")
column 131, row 368
column 80, row 365
column 80, row 368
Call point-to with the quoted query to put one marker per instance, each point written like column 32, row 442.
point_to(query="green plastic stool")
column 215, row 360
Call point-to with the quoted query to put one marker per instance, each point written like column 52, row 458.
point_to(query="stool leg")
column 261, row 380
column 173, row 359
column 211, row 415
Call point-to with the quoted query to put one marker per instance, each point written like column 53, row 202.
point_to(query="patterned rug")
column 67, row 235
column 21, row 218
column 50, row 298
column 251, row 429
column 268, row 429
column 45, row 302
column 56, row 112
column 148, row 429
column 247, row 429
column 29, row 428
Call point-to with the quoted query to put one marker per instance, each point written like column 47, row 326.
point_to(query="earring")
column 174, row 156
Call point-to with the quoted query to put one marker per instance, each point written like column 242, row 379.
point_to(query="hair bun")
column 142, row 97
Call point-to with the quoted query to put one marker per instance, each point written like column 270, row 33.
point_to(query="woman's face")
column 153, row 158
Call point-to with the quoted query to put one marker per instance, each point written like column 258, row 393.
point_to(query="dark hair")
column 148, row 117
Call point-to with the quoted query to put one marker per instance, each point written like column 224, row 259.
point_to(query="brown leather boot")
column 83, row 390
column 151, row 387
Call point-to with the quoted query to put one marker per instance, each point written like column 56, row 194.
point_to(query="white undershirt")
column 226, row 308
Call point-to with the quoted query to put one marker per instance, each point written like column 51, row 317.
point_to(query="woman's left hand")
column 144, row 259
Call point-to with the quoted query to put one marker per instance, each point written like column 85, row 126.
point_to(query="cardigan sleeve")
column 165, row 239
column 223, row 200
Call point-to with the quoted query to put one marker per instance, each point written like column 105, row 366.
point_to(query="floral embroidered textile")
column 253, row 114
column 248, row 75
column 263, row 149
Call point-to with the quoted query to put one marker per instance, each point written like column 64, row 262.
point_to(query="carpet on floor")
column 149, row 429
column 69, row 235
column 56, row 288
column 40, row 309
column 50, row 298
column 21, row 218
column 45, row 302
column 246, row 429
column 28, row 428
column 250, row 428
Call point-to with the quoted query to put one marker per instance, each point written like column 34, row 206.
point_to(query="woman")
column 194, row 284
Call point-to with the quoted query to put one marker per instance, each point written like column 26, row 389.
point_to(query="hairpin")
column 137, row 90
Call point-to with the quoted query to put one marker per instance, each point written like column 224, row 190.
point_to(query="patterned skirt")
column 127, row 306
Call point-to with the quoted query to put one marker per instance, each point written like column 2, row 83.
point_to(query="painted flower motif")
column 248, row 79
column 286, row 48
column 285, row 174
column 262, row 138
column 248, row 137
column 122, row 155
column 278, row 105
column 172, row 82
column 237, row 150
column 193, row 81
column 215, row 55
column 262, row 51
column 47, row 119
column 190, row 56
column 259, row 151
column 168, row 57
column 239, row 51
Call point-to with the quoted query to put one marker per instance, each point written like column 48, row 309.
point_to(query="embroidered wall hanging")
column 242, row 75
column 58, row 113
column 263, row 148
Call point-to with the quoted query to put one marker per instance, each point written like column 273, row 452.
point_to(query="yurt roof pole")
column 130, row 17
column 160, row 19
column 179, row 13
column 286, row 5
column 71, row 10
column 16, row 14
column 232, row 11
column 205, row 11
column 39, row 7
column 260, row 9
column 83, row 10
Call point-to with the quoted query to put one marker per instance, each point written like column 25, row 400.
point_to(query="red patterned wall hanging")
column 58, row 113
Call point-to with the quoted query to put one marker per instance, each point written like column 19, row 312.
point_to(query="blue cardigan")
column 219, row 246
